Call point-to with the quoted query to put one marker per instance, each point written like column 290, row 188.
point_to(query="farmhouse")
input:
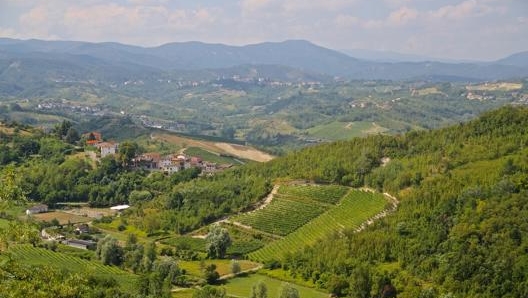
column 147, row 161
column 37, row 209
column 107, row 148
column 170, row 164
column 82, row 244
column 82, row 229
column 50, row 234
column 93, row 138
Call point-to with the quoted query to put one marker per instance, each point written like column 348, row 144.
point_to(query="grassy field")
column 345, row 130
column 210, row 156
column 43, row 257
column 354, row 209
column 222, row 266
column 241, row 287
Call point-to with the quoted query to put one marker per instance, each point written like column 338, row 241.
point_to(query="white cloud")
column 468, row 8
column 402, row 16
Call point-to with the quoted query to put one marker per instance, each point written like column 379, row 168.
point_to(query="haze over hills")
column 119, row 60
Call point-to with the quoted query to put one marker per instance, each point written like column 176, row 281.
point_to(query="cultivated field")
column 283, row 215
column 43, row 257
column 240, row 151
column 330, row 194
column 211, row 157
column 62, row 217
column 503, row 86
column 292, row 207
column 354, row 209
column 345, row 130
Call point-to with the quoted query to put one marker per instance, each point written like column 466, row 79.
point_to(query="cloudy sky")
column 456, row 29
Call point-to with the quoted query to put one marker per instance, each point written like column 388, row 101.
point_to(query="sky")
column 449, row 29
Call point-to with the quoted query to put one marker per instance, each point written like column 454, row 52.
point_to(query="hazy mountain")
column 518, row 59
column 392, row 57
column 119, row 60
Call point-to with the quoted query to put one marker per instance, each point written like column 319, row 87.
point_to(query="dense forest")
column 459, row 231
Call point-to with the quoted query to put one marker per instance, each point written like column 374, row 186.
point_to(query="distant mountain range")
column 299, row 59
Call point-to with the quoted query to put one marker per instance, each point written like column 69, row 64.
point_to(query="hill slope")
column 461, row 220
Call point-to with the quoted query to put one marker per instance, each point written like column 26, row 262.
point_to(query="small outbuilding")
column 120, row 207
column 82, row 244
column 37, row 209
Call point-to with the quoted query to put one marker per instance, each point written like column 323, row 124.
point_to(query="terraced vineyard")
column 354, row 209
column 43, row 257
column 330, row 194
column 288, row 212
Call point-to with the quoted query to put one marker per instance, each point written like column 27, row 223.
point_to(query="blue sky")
column 454, row 29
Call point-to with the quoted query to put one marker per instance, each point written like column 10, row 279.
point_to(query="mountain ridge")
column 298, row 54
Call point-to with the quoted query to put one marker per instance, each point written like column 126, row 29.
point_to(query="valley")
column 382, row 208
column 205, row 170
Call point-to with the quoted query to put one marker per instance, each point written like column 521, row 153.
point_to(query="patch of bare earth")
column 244, row 152
column 239, row 151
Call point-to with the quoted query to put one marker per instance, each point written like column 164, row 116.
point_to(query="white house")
column 108, row 148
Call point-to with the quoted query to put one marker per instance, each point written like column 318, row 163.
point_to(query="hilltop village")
column 154, row 161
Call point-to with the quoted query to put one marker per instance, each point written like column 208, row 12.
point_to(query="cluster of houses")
column 172, row 163
column 53, row 234
column 153, row 161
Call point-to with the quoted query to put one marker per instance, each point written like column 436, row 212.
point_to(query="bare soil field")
column 62, row 217
column 90, row 212
column 502, row 86
column 240, row 151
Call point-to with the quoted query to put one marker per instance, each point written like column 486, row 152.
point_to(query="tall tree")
column 288, row 291
column 217, row 241
column 109, row 251
column 127, row 151
column 259, row 290
column 210, row 292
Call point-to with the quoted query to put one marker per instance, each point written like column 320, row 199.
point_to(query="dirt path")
column 394, row 205
column 262, row 205
column 254, row 269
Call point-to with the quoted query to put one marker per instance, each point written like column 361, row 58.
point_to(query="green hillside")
column 460, row 229
column 43, row 257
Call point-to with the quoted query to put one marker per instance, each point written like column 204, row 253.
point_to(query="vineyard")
column 43, row 257
column 243, row 242
column 330, row 194
column 292, row 207
column 282, row 216
column 354, row 209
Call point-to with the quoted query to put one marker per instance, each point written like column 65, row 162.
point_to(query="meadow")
column 345, row 130
column 241, row 287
